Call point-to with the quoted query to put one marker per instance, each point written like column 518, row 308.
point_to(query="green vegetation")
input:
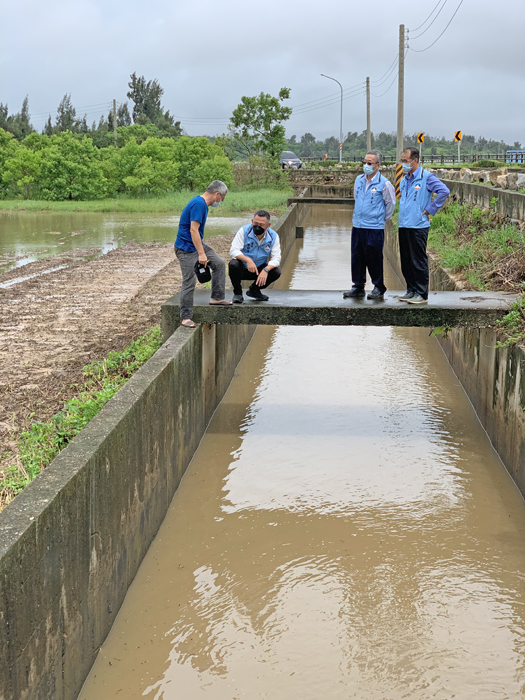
column 354, row 145
column 68, row 166
column 274, row 200
column 41, row 443
column 478, row 244
column 256, row 125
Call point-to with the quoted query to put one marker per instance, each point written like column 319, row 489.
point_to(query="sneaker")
column 376, row 293
column 255, row 293
column 238, row 298
column 417, row 299
column 407, row 296
column 354, row 293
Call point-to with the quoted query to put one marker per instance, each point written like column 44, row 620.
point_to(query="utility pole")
column 115, row 121
column 368, row 132
column 400, row 93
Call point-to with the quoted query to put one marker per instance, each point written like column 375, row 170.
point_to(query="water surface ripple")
column 345, row 530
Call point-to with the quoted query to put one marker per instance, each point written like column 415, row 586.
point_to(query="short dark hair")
column 262, row 212
column 414, row 153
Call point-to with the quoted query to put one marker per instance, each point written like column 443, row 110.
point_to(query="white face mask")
column 216, row 204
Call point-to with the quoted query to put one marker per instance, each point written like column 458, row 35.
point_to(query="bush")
column 487, row 164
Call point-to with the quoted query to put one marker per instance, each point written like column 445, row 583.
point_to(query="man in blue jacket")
column 415, row 209
column 190, row 248
column 256, row 255
column 374, row 204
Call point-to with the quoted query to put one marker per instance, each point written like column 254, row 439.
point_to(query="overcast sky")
column 207, row 55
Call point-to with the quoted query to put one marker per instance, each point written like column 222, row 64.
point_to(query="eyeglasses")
column 366, row 162
column 407, row 161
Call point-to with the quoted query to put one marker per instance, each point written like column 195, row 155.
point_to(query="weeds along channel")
column 41, row 443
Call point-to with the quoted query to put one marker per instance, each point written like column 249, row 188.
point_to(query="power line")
column 328, row 104
column 388, row 88
column 388, row 74
column 430, row 15
column 435, row 18
column 444, row 30
column 330, row 96
column 396, row 59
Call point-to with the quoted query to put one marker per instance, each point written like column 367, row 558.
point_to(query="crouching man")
column 256, row 255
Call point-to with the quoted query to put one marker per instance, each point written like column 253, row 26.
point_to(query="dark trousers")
column 414, row 260
column 367, row 252
column 239, row 272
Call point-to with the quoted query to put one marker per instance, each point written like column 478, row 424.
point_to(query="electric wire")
column 330, row 96
column 373, row 82
column 444, row 30
column 429, row 16
column 328, row 104
column 435, row 18
column 385, row 78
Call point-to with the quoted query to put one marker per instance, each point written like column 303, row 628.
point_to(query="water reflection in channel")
column 344, row 530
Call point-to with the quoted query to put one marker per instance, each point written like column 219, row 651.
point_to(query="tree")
column 66, row 115
column 147, row 108
column 71, row 169
column 17, row 124
column 260, row 119
column 307, row 142
column 191, row 153
column 22, row 170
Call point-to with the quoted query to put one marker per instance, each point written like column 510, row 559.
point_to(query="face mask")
column 368, row 169
column 258, row 230
column 406, row 167
column 216, row 204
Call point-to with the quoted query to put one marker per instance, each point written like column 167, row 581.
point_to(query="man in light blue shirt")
column 415, row 209
column 374, row 204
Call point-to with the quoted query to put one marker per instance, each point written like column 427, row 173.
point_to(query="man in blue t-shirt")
column 190, row 248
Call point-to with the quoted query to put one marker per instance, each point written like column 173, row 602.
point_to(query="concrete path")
column 328, row 308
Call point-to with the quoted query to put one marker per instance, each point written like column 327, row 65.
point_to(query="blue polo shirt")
column 195, row 210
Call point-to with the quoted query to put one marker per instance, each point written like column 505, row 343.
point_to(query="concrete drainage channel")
column 73, row 540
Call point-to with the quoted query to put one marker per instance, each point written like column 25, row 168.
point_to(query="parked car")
column 290, row 160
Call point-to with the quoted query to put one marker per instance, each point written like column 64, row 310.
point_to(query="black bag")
column 203, row 272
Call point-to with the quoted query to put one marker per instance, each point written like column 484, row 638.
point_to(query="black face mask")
column 258, row 230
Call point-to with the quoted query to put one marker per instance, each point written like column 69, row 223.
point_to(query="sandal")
column 220, row 302
column 187, row 323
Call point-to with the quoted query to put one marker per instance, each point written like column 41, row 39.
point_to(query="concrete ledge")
column 320, row 200
column 328, row 308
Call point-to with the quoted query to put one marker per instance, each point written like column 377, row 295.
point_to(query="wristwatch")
column 266, row 270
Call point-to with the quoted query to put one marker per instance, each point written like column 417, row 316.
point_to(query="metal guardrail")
column 437, row 159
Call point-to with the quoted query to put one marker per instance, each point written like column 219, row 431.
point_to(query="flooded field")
column 29, row 236
column 345, row 529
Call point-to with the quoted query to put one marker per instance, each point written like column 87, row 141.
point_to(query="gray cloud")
column 207, row 56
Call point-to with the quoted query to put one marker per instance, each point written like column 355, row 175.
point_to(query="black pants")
column 239, row 272
column 414, row 260
column 367, row 252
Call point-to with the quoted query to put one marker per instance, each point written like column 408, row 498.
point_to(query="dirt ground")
column 55, row 323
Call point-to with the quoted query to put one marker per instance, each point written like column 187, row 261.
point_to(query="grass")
column 41, row 443
column 479, row 245
column 236, row 201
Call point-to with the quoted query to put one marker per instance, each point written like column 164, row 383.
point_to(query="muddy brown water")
column 29, row 236
column 344, row 530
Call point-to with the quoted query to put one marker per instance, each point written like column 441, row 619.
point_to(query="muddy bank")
column 74, row 309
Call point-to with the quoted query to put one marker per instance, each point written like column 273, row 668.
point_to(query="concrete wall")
column 72, row 541
column 511, row 204
column 493, row 378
